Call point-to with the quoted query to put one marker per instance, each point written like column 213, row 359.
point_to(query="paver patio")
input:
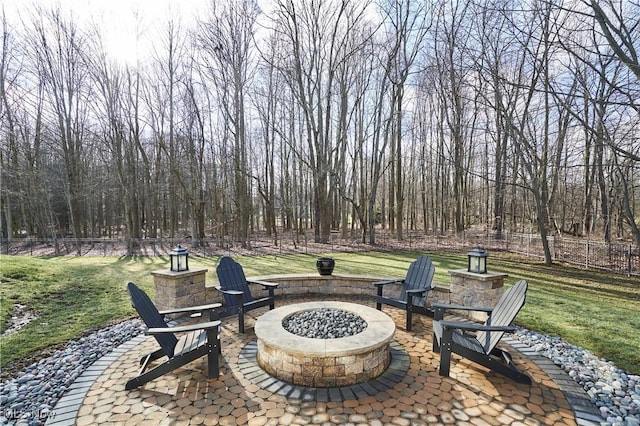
column 243, row 395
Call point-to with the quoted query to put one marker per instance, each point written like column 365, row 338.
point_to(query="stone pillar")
column 179, row 289
column 471, row 289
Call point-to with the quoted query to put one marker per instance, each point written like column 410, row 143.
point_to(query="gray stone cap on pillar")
column 170, row 273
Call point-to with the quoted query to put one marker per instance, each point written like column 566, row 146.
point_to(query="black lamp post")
column 477, row 261
column 179, row 259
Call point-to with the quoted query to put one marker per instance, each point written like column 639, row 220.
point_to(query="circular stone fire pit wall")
column 324, row 362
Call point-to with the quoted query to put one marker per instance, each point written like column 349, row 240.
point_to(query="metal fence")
column 619, row 258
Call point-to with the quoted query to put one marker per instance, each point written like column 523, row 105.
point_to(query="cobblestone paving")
column 471, row 396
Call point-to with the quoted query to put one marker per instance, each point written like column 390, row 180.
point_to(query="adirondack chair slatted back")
column 231, row 277
column 419, row 276
column 152, row 318
column 503, row 314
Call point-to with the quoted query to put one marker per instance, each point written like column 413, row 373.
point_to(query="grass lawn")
column 73, row 295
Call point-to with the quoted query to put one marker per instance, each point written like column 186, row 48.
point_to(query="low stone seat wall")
column 330, row 286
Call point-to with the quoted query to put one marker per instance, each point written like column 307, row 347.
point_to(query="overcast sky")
column 115, row 17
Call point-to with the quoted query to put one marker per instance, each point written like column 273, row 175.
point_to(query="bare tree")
column 349, row 177
column 276, row 153
column 602, row 42
column 57, row 44
column 409, row 23
column 161, row 96
column 227, row 40
column 538, row 147
column 494, row 65
column 620, row 25
column 317, row 37
column 452, row 41
column 329, row 115
column 117, row 115
column 8, row 158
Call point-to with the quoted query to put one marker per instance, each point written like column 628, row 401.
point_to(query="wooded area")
column 315, row 116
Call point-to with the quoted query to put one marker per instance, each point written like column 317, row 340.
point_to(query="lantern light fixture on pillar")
column 477, row 261
column 179, row 259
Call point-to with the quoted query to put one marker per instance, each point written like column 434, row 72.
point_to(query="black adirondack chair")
column 199, row 339
column 477, row 342
column 234, row 286
column 415, row 289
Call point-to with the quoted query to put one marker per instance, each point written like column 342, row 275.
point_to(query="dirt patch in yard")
column 20, row 317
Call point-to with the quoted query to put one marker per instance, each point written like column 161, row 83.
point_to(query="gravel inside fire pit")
column 324, row 324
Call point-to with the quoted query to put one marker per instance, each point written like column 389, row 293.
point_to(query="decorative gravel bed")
column 615, row 392
column 324, row 324
column 30, row 397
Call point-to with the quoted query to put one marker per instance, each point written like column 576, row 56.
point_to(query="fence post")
column 586, row 255
column 629, row 251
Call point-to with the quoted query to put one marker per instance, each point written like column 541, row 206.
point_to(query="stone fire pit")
column 325, row 362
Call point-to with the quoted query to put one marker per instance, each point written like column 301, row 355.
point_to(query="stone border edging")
column 585, row 411
column 65, row 412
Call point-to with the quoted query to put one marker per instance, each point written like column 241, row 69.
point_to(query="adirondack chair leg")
column 437, row 329
column 162, row 369
column 507, row 367
column 152, row 357
column 378, row 304
column 213, row 345
column 143, row 377
column 146, row 377
column 214, row 314
column 240, row 309
column 509, row 371
column 445, row 352
column 409, row 313
column 144, row 362
column 272, row 305
column 438, row 314
column 436, row 342
column 241, row 319
column 132, row 384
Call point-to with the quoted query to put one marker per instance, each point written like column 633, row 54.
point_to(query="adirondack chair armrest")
column 231, row 292
column 183, row 328
column 467, row 326
column 441, row 308
column 418, row 291
column 265, row 284
column 446, row 306
column 394, row 281
column 194, row 309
